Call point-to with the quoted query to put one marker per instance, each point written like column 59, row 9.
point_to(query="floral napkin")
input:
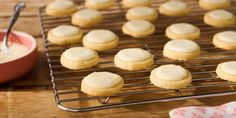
column 227, row 110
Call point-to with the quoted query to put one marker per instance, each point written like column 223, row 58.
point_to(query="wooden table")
column 31, row 95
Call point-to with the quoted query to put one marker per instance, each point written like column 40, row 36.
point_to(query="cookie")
column 227, row 71
column 100, row 40
column 183, row 31
column 181, row 50
column 170, row 77
column 102, row 84
column 135, row 3
column 65, row 34
column 225, row 40
column 138, row 28
column 219, row 18
column 214, row 4
column 79, row 58
column 133, row 59
column 174, row 8
column 87, row 18
column 61, row 8
column 142, row 13
column 99, row 4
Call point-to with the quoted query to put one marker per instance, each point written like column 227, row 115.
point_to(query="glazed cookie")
column 214, row 4
column 225, row 40
column 183, row 31
column 227, row 71
column 174, row 8
column 61, row 8
column 79, row 58
column 133, row 59
column 219, row 18
column 181, row 50
column 65, row 34
column 100, row 40
column 170, row 77
column 138, row 28
column 135, row 3
column 102, row 84
column 99, row 4
column 87, row 18
column 142, row 13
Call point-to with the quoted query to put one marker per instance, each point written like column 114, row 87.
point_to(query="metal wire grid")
column 137, row 88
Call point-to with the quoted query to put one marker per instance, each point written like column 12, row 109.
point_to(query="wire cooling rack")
column 137, row 89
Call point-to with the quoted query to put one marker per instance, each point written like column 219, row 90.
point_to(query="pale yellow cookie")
column 170, row 77
column 225, row 40
column 227, row 71
column 135, row 3
column 65, row 34
column 79, row 58
column 174, row 8
column 181, row 50
column 102, row 84
column 100, row 40
column 219, row 18
column 87, row 18
column 142, row 13
column 133, row 59
column 214, row 4
column 138, row 28
column 99, row 4
column 182, row 31
column 61, row 8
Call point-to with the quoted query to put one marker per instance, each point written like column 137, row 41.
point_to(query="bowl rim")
column 31, row 49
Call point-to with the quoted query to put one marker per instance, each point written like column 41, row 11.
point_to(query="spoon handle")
column 18, row 8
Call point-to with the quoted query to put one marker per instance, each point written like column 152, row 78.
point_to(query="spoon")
column 17, row 9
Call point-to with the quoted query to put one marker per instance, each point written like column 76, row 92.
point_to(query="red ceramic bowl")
column 15, row 68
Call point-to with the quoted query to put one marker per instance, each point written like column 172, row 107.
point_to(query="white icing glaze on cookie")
column 140, row 2
column 98, row 1
column 79, row 54
column 170, row 72
column 182, row 45
column 183, row 28
column 174, row 5
column 102, row 80
column 100, row 36
column 61, row 4
column 87, row 14
column 216, row 1
column 138, row 25
column 227, row 36
column 229, row 67
column 220, row 14
column 133, row 55
column 65, row 31
column 142, row 11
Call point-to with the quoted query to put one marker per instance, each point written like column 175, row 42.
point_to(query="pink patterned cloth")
column 227, row 110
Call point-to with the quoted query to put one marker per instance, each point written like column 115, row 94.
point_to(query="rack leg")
column 102, row 101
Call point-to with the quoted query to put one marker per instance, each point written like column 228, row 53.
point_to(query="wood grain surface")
column 31, row 95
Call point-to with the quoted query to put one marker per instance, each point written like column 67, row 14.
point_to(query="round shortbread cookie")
column 181, row 50
column 219, row 18
column 65, row 34
column 225, row 40
column 174, row 8
column 133, row 59
column 183, row 31
column 79, row 58
column 170, row 77
column 100, row 40
column 87, row 18
column 102, row 84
